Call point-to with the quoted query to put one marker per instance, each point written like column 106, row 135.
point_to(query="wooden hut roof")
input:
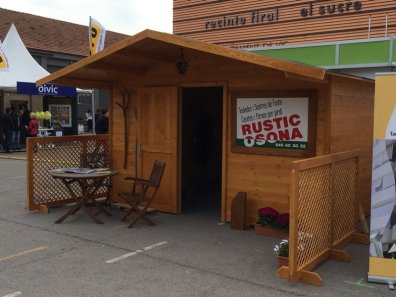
column 137, row 54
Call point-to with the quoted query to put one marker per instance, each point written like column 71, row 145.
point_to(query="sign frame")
column 310, row 95
column 61, row 113
column 45, row 90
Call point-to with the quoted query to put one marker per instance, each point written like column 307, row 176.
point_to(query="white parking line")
column 23, row 253
column 135, row 252
column 14, row 177
column 13, row 294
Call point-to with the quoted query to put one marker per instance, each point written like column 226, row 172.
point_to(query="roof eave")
column 299, row 69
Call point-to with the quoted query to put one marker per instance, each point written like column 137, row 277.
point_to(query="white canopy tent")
column 22, row 66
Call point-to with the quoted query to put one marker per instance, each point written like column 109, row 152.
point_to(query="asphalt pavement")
column 192, row 254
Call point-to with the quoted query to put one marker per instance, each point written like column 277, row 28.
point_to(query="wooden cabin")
column 192, row 120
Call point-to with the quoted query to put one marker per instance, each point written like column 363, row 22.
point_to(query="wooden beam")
column 325, row 80
column 117, row 69
column 311, row 278
column 362, row 238
column 141, row 55
column 82, row 83
column 340, row 255
column 43, row 208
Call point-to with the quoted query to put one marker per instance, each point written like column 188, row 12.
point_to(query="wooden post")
column 238, row 206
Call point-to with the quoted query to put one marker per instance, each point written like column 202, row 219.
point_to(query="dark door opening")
column 202, row 149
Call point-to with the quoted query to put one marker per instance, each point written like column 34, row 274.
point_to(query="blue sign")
column 46, row 89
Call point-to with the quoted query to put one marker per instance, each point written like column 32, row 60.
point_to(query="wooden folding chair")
column 98, row 160
column 143, row 192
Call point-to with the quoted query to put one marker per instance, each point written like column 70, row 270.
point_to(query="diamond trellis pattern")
column 47, row 153
column 314, row 212
column 345, row 211
column 327, row 209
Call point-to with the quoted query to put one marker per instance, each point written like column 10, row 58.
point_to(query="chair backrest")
column 156, row 174
column 94, row 160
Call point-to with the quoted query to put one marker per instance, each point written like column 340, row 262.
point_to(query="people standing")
column 16, row 130
column 25, row 123
column 102, row 125
column 33, row 127
column 88, row 116
column 6, row 122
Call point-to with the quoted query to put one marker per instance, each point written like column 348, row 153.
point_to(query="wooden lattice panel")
column 345, row 212
column 314, row 211
column 323, row 209
column 47, row 153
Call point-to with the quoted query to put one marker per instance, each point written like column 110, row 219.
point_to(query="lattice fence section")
column 323, row 208
column 345, row 212
column 47, row 153
column 314, row 211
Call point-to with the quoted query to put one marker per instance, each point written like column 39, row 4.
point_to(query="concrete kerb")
column 20, row 155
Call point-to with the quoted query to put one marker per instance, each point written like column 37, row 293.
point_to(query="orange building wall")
column 257, row 23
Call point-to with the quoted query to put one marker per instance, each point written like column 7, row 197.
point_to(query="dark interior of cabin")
column 201, row 149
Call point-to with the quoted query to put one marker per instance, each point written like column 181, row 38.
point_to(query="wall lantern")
column 181, row 63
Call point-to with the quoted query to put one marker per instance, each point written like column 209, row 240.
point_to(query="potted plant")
column 282, row 251
column 272, row 223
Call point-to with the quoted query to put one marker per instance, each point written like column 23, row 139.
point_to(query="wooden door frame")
column 224, row 85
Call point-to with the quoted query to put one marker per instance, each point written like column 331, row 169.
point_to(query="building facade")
column 53, row 44
column 354, row 37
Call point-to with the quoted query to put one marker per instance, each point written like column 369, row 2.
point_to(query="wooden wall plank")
column 266, row 179
column 352, row 107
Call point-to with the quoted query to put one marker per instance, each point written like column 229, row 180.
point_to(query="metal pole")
column 93, row 110
column 386, row 25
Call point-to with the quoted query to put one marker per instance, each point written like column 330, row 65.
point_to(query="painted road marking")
column 359, row 283
column 13, row 294
column 23, row 253
column 21, row 176
column 136, row 252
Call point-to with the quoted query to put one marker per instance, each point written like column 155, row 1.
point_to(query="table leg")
column 96, row 185
column 71, row 211
column 80, row 203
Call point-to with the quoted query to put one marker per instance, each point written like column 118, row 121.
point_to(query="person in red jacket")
column 33, row 127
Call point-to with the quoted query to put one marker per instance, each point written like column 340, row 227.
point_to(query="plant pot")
column 269, row 231
column 283, row 261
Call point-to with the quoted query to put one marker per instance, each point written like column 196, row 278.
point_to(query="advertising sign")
column 275, row 122
column 46, row 89
column 61, row 114
column 382, row 263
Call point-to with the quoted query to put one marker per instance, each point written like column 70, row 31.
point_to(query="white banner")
column 3, row 60
column 382, row 262
column 97, row 34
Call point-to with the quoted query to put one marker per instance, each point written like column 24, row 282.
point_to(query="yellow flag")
column 97, row 35
column 3, row 59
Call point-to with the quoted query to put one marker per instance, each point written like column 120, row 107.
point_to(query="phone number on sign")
column 291, row 145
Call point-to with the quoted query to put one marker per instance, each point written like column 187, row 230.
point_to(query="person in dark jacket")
column 16, row 130
column 25, row 123
column 102, row 126
column 6, row 122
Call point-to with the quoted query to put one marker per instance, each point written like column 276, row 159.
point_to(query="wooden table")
column 89, row 182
